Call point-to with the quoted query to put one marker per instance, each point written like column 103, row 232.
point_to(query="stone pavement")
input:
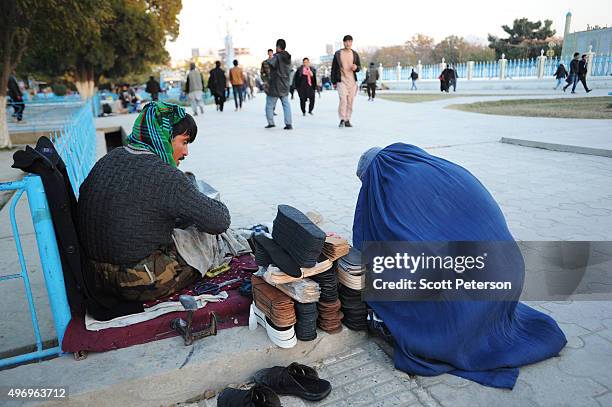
column 545, row 195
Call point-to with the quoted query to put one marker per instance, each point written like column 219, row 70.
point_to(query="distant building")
column 599, row 38
column 243, row 55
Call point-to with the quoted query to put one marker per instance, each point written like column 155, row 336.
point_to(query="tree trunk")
column 5, row 139
column 84, row 82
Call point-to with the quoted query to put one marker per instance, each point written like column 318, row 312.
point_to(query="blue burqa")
column 410, row 195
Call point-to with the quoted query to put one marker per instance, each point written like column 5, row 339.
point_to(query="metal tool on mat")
column 212, row 288
column 185, row 328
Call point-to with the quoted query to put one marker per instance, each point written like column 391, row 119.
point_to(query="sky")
column 308, row 25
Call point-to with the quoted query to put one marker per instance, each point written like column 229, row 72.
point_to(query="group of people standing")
column 276, row 76
column 578, row 72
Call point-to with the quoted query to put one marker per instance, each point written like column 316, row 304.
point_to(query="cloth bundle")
column 304, row 290
column 298, row 235
column 275, row 304
column 328, row 284
column 306, row 325
column 275, row 276
column 335, row 247
column 354, row 309
column 330, row 316
column 268, row 251
column 351, row 273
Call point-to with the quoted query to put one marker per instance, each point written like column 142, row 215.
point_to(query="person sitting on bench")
column 132, row 200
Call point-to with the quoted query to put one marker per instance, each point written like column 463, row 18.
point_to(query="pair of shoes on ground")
column 294, row 380
column 287, row 127
column 345, row 123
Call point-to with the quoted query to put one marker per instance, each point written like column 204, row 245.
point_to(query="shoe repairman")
column 133, row 199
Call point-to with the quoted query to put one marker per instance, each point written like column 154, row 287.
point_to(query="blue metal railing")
column 76, row 144
column 515, row 68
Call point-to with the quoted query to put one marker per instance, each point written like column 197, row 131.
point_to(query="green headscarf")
column 153, row 129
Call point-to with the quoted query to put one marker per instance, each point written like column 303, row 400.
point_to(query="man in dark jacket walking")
column 445, row 78
column 582, row 73
column 216, row 83
column 572, row 80
column 345, row 66
column 16, row 98
column 305, row 82
column 280, row 66
column 370, row 79
column 153, row 88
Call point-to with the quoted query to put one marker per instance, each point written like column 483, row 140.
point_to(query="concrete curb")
column 567, row 148
column 165, row 372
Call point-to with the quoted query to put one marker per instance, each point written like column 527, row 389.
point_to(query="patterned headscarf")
column 152, row 129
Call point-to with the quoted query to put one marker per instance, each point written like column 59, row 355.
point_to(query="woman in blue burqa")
column 410, row 195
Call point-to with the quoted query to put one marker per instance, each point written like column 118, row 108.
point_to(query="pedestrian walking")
column 236, row 77
column 560, row 75
column 193, row 87
column 572, row 79
column 16, row 98
column 153, row 88
column 582, row 72
column 345, row 66
column 305, row 82
column 414, row 77
column 216, row 83
column 280, row 66
column 370, row 79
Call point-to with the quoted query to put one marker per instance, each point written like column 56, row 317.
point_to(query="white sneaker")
column 283, row 339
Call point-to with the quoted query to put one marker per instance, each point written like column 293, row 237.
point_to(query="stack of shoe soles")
column 298, row 235
column 354, row 309
column 275, row 276
column 275, row 304
column 304, row 290
column 328, row 284
column 330, row 316
column 350, row 271
column 294, row 380
column 281, row 337
column 306, row 325
column 335, row 247
column 268, row 251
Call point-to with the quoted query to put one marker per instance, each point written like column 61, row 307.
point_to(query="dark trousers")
column 583, row 80
column 311, row 98
column 237, row 90
column 219, row 101
column 18, row 108
column 371, row 90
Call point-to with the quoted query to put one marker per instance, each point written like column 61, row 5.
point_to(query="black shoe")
column 588, row 90
column 347, row 124
column 288, row 127
column 303, row 113
column 258, row 396
column 311, row 113
column 573, row 92
column 341, row 123
column 269, row 126
column 295, row 380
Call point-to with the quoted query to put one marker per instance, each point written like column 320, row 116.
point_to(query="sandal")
column 295, row 380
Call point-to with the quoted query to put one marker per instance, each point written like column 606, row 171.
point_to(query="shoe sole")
column 283, row 339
